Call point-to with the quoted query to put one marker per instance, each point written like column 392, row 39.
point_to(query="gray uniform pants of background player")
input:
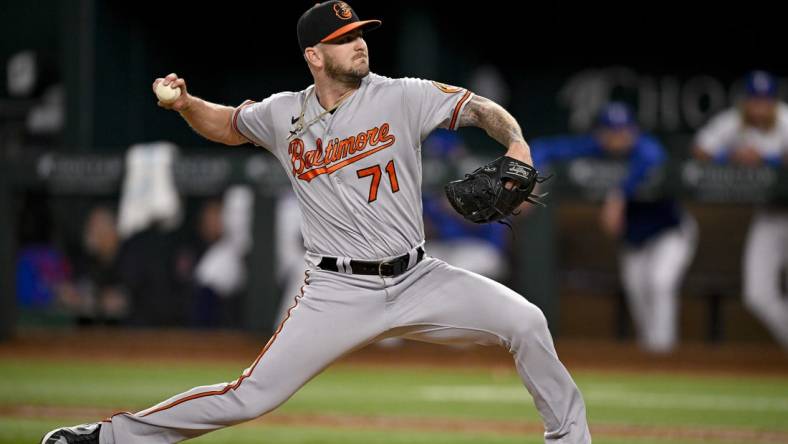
column 336, row 313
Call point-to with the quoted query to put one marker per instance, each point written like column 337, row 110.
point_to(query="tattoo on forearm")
column 492, row 118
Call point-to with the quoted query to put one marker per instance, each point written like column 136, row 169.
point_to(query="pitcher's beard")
column 349, row 77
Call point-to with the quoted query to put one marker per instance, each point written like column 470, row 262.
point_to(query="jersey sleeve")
column 253, row 121
column 429, row 104
column 716, row 137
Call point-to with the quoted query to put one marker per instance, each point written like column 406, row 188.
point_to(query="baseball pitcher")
column 350, row 144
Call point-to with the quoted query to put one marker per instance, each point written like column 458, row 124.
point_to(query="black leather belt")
column 393, row 267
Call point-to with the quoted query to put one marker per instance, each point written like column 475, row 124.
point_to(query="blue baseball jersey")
column 448, row 225
column 644, row 220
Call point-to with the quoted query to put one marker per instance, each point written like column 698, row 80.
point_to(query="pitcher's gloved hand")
column 483, row 196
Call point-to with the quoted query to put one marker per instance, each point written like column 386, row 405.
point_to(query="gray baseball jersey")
column 357, row 176
column 356, row 172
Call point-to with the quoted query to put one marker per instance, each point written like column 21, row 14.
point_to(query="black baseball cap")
column 327, row 21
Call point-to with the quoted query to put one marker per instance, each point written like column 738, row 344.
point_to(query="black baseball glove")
column 482, row 196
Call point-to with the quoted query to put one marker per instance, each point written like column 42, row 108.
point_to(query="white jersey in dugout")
column 727, row 131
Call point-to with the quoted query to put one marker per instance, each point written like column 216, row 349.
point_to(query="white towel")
column 149, row 193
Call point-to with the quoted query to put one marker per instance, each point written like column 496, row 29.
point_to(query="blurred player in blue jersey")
column 657, row 237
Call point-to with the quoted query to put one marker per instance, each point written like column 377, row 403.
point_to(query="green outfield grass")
column 650, row 401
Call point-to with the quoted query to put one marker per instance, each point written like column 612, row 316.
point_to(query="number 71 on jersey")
column 376, row 173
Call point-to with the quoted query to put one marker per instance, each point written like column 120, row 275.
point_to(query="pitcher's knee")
column 528, row 323
column 253, row 404
column 253, row 410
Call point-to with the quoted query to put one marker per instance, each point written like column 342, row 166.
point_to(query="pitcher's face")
column 346, row 57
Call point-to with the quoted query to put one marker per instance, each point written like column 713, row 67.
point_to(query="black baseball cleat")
column 81, row 434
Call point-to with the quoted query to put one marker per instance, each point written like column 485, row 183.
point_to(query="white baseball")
column 166, row 94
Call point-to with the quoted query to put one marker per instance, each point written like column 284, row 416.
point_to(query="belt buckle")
column 394, row 268
column 397, row 267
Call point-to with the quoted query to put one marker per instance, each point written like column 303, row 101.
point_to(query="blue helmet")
column 616, row 115
column 760, row 84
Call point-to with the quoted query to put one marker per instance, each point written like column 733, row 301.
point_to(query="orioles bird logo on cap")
column 342, row 10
